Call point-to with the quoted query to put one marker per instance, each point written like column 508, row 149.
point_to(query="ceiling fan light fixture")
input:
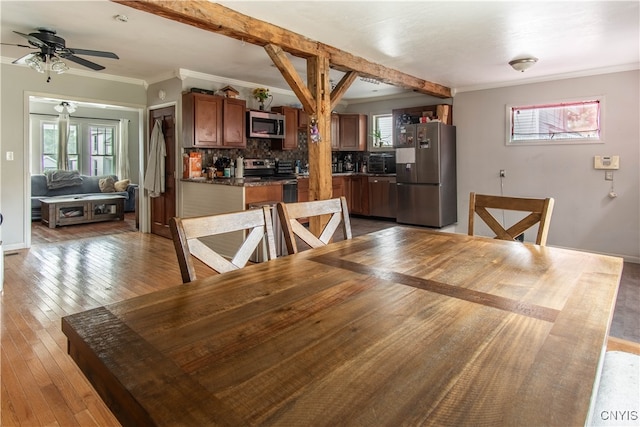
column 523, row 64
column 35, row 63
column 57, row 66
column 71, row 108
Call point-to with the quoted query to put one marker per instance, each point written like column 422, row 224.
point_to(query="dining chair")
column 188, row 232
column 539, row 213
column 289, row 214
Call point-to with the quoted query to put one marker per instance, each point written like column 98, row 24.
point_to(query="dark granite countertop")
column 257, row 181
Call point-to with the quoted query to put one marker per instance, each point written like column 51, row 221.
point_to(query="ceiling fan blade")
column 22, row 60
column 99, row 53
column 35, row 41
column 84, row 62
column 19, row 45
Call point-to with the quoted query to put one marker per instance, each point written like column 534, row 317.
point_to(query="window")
column 102, row 156
column 563, row 122
column 90, row 148
column 49, row 159
column 382, row 131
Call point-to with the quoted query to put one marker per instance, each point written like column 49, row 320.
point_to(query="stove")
column 268, row 169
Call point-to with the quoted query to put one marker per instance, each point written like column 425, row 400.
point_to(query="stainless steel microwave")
column 262, row 124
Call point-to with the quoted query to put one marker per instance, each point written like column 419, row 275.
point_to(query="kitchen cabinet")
column 337, row 186
column 335, row 132
column 353, row 132
column 303, row 189
column 234, row 122
column 201, row 120
column 382, row 196
column 303, row 120
column 262, row 193
column 417, row 112
column 290, row 141
column 213, row 121
column 358, row 194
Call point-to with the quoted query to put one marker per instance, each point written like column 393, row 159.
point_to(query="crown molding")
column 83, row 73
column 553, row 77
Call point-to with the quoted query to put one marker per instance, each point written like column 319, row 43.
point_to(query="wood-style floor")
column 76, row 268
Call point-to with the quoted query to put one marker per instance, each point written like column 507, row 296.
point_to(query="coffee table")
column 58, row 211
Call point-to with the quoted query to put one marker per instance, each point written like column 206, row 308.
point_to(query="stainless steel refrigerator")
column 426, row 174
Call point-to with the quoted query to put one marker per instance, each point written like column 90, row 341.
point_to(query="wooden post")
column 320, row 187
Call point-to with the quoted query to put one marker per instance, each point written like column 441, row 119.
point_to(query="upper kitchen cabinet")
column 234, row 122
column 303, row 120
column 201, row 120
column 353, row 132
column 290, row 141
column 443, row 112
column 212, row 121
column 335, row 132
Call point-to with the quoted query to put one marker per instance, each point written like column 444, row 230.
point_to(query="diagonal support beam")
column 341, row 88
column 291, row 76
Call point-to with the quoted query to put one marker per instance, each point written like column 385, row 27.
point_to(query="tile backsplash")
column 261, row 149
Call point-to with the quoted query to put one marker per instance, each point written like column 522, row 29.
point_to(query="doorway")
column 42, row 115
column 163, row 207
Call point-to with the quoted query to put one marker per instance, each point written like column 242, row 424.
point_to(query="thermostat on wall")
column 606, row 162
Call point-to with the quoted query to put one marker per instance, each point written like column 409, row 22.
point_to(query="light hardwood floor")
column 77, row 268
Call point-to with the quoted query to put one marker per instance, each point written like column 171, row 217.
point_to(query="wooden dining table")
column 404, row 326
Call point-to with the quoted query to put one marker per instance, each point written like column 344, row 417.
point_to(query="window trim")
column 84, row 140
column 371, row 146
column 559, row 141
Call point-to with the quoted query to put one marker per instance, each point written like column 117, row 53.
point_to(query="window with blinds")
column 382, row 131
column 563, row 122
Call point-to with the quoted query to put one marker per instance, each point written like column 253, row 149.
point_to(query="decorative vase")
column 261, row 107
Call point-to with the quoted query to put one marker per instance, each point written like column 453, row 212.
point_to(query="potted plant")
column 261, row 94
column 378, row 140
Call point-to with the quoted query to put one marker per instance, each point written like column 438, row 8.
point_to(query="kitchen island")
column 360, row 189
column 200, row 197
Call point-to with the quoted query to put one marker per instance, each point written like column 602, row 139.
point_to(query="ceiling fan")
column 52, row 50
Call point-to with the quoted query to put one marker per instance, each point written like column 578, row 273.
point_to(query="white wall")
column 584, row 216
column 16, row 84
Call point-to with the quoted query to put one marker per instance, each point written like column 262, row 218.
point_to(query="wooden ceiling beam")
column 279, row 58
column 341, row 88
column 222, row 20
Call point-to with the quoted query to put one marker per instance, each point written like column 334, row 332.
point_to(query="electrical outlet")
column 502, row 173
column 608, row 175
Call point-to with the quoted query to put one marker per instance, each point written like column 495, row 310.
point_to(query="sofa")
column 85, row 185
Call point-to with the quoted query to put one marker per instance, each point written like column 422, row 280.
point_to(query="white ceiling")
column 461, row 45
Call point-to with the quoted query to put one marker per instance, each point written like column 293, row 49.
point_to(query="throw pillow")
column 122, row 185
column 107, row 185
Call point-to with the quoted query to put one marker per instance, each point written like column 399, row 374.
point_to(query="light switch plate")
column 606, row 162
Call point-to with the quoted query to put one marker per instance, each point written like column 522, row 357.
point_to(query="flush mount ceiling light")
column 71, row 108
column 370, row 80
column 523, row 64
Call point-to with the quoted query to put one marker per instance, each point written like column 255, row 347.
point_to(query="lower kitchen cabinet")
column 358, row 195
column 366, row 195
column 382, row 196
column 264, row 193
column 337, row 183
